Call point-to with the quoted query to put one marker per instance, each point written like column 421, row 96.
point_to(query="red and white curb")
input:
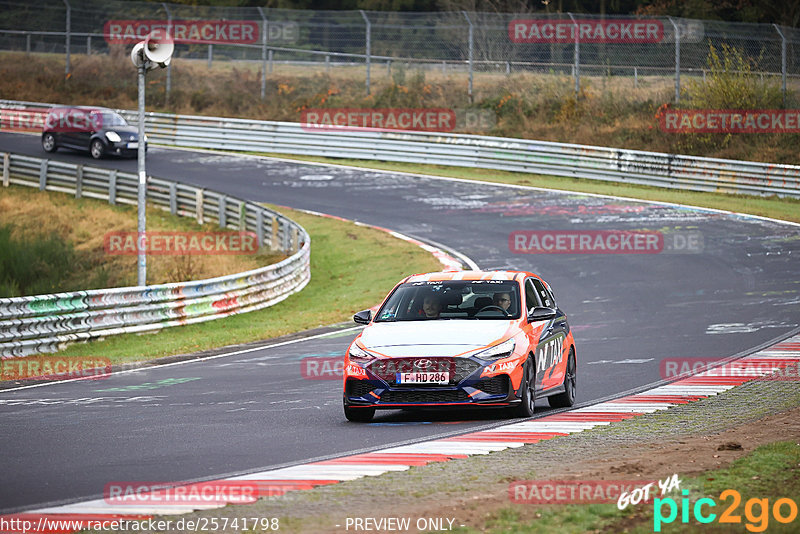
column 277, row 482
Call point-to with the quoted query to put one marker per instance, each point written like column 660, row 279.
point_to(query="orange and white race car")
column 462, row 339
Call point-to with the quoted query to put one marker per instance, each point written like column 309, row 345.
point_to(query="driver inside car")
column 502, row 300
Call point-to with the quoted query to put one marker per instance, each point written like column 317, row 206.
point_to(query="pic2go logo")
column 756, row 511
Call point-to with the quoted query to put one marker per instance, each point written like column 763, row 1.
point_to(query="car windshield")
column 454, row 299
column 113, row 119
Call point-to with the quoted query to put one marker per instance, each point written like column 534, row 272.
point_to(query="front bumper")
column 470, row 386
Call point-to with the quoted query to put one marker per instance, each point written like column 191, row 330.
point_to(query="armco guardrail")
column 44, row 323
column 498, row 153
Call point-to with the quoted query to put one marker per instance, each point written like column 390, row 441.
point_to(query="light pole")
column 155, row 51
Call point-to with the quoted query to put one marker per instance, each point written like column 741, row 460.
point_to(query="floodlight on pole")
column 155, row 51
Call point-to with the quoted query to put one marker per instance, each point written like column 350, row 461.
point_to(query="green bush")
column 33, row 265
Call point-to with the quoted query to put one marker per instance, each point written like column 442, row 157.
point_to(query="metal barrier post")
column 43, row 174
column 368, row 45
column 210, row 54
column 79, row 181
column 677, row 60
column 471, row 42
column 222, row 216
column 112, row 187
column 173, row 198
column 783, row 62
column 68, row 36
column 576, row 69
column 6, row 165
column 264, row 38
column 169, row 66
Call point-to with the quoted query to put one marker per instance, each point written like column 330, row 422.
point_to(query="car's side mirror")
column 541, row 313
column 363, row 317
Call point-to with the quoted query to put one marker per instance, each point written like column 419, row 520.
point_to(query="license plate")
column 133, row 145
column 423, row 378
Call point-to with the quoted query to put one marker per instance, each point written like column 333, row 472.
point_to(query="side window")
column 531, row 300
column 544, row 295
column 550, row 294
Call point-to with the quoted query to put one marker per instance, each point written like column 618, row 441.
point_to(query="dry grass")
column 84, row 222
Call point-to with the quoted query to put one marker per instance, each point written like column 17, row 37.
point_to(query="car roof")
column 444, row 276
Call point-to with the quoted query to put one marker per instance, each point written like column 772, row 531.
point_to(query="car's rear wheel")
column 567, row 399
column 528, row 391
column 49, row 142
column 359, row 415
column 97, row 149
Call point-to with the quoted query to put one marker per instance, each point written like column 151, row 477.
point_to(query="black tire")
column 359, row 415
column 49, row 142
column 528, row 393
column 97, row 149
column 567, row 399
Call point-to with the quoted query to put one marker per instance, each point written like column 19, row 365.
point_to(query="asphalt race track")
column 254, row 410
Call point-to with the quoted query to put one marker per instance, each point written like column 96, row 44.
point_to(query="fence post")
column 27, row 43
column 264, row 38
column 576, row 68
column 783, row 62
column 169, row 66
column 677, row 60
column 88, row 45
column 368, row 43
column 68, row 36
column 270, row 54
column 210, row 54
column 471, row 42
column 635, row 77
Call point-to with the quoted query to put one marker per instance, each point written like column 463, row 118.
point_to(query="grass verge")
column 344, row 279
column 786, row 209
column 79, row 227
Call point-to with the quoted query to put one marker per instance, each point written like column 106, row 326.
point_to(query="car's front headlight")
column 498, row 351
column 357, row 354
column 113, row 137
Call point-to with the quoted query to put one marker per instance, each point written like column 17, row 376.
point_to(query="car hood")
column 448, row 337
column 127, row 130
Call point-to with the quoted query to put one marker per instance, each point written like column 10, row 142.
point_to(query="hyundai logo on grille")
column 423, row 364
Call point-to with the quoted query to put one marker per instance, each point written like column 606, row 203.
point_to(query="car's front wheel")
column 527, row 391
column 97, row 149
column 49, row 142
column 567, row 399
column 359, row 415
